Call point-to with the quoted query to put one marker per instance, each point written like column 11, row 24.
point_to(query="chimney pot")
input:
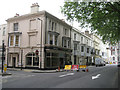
column 34, row 8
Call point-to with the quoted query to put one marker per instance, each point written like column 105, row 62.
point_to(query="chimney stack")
column 34, row 8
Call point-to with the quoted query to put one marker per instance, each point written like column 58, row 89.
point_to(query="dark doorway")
column 61, row 63
column 14, row 61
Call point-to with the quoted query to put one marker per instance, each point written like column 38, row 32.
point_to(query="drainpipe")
column 41, row 42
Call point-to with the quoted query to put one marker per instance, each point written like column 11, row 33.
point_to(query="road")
column 97, row 77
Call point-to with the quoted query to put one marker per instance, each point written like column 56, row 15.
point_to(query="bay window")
column 14, row 40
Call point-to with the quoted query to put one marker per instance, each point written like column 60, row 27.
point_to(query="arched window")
column 32, row 59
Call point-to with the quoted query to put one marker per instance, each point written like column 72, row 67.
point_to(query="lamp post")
column 118, row 52
column 3, row 49
column 21, row 58
column 40, row 42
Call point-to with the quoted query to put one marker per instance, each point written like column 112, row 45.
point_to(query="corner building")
column 42, row 32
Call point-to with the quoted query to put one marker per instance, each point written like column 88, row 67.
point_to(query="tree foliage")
column 103, row 17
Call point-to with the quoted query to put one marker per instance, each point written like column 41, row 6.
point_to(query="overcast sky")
column 9, row 8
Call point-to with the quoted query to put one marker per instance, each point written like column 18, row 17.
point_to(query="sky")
column 9, row 8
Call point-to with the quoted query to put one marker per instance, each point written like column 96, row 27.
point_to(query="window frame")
column 15, row 28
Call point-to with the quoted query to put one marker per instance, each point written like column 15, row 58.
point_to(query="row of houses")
column 43, row 41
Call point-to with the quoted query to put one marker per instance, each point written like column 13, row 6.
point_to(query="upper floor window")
column 87, row 50
column 65, row 43
column 17, row 40
column 102, row 53
column 52, row 25
column 68, row 44
column 49, row 24
column 3, row 32
column 74, row 36
column 15, row 26
column 55, row 26
column 11, row 40
column 14, row 40
column 75, row 46
column 87, row 42
column 65, row 31
column 82, row 48
column 56, row 39
column 81, row 39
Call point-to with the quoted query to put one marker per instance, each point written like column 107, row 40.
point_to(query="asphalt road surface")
column 97, row 77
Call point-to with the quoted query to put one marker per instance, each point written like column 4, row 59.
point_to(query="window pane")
column 52, row 25
column 82, row 48
column 54, row 62
column 87, row 50
column 11, row 40
column 48, row 62
column 49, row 24
column 17, row 40
column 15, row 26
column 29, row 61
column 56, row 40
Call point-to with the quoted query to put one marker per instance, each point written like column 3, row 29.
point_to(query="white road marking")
column 6, row 77
column 66, row 74
column 95, row 77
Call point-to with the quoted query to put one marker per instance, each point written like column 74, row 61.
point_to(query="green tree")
column 103, row 17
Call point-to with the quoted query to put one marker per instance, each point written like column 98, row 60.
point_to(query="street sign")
column 36, row 52
column 5, row 67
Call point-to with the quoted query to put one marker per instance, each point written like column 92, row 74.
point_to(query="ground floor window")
column 29, row 61
column 32, row 60
column 54, row 62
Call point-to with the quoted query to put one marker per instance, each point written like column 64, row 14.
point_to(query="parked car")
column 118, row 64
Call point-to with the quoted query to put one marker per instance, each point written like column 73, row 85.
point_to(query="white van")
column 99, row 62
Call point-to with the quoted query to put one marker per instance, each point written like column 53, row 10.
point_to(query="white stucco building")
column 40, row 32
column 82, row 46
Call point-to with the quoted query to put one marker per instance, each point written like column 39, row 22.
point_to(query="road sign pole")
column 3, row 49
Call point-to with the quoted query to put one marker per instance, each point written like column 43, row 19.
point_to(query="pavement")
column 40, row 71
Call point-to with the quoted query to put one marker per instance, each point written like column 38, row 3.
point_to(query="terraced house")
column 82, row 46
column 38, row 40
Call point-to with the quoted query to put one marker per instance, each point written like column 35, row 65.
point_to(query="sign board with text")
column 82, row 66
column 67, row 67
column 75, row 67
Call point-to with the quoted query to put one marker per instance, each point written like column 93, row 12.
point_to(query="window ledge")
column 32, row 32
